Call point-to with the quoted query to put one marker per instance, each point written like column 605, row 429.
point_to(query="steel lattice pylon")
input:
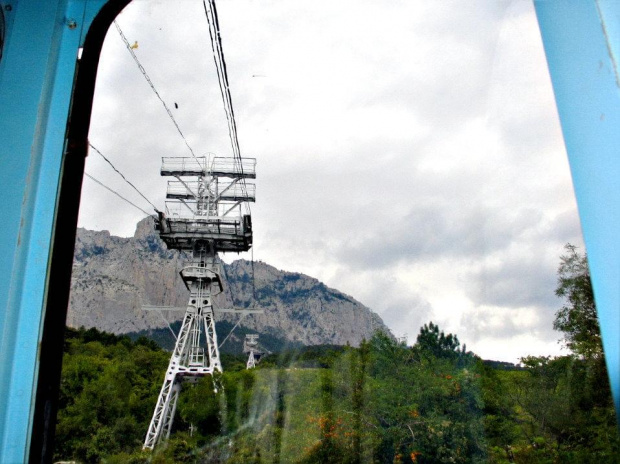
column 204, row 217
column 251, row 347
column 189, row 360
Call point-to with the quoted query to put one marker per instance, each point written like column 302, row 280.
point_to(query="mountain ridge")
column 113, row 277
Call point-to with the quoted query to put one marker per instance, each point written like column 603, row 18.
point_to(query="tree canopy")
column 577, row 318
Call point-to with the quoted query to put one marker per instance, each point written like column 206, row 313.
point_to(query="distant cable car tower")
column 204, row 216
column 250, row 346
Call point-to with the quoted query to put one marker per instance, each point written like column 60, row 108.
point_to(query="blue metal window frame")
column 44, row 119
column 582, row 41
column 41, row 155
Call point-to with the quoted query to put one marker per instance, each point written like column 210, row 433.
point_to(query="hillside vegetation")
column 381, row 402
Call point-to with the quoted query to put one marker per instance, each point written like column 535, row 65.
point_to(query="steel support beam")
column 582, row 45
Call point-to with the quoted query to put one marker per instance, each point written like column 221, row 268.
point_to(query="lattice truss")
column 253, row 350
column 204, row 215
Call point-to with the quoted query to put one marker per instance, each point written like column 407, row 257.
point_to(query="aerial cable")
column 220, row 64
column 253, row 279
column 124, row 178
column 116, row 193
column 169, row 326
column 222, row 74
column 148, row 79
column 232, row 299
column 232, row 330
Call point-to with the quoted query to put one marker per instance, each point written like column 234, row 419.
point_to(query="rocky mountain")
column 114, row 276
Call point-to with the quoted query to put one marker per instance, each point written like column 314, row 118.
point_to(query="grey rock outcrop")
column 114, row 276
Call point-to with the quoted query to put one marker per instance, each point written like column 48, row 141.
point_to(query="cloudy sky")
column 408, row 152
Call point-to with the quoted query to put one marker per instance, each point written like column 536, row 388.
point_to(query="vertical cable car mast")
column 251, row 347
column 204, row 216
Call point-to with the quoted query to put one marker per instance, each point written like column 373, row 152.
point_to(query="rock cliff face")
column 113, row 277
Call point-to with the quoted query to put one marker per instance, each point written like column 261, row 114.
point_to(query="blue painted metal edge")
column 581, row 41
column 37, row 77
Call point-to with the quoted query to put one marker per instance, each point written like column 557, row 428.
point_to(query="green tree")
column 426, row 406
column 434, row 343
column 431, row 340
column 107, row 395
column 577, row 318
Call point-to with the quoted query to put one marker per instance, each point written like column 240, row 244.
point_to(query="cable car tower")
column 250, row 346
column 203, row 217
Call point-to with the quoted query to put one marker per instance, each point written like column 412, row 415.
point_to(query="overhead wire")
column 224, row 85
column 232, row 330
column 148, row 79
column 253, row 278
column 124, row 178
column 116, row 193
column 220, row 64
column 223, row 268
column 222, row 74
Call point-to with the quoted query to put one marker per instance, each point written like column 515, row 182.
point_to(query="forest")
column 381, row 402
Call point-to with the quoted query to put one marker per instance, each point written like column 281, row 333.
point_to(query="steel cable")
column 116, row 193
column 222, row 74
column 148, row 79
column 124, row 178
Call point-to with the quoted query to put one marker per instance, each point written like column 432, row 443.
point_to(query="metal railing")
column 212, row 226
column 189, row 209
column 234, row 192
column 218, row 166
column 221, row 165
column 185, row 164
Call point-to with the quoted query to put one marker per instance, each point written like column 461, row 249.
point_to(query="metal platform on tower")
column 209, row 207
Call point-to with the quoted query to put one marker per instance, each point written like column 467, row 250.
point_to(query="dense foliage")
column 577, row 319
column 107, row 393
column 382, row 402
